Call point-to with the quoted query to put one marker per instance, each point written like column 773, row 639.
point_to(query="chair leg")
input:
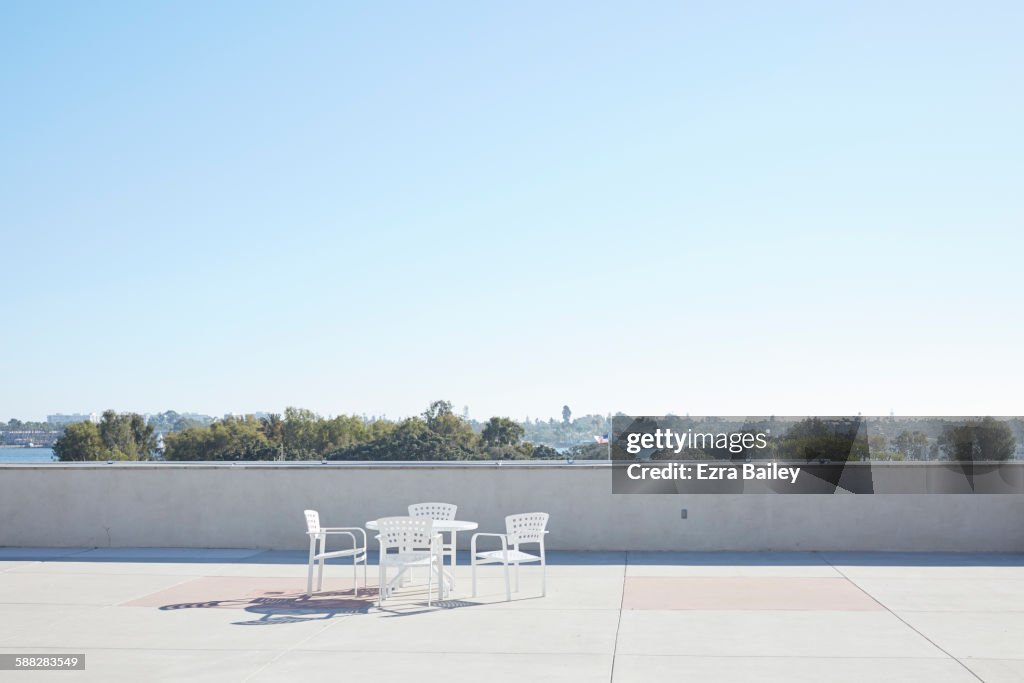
column 473, row 565
column 320, row 575
column 309, row 577
column 430, row 579
column 454, row 549
column 543, row 578
column 517, row 576
column 380, row 584
column 355, row 577
column 508, row 590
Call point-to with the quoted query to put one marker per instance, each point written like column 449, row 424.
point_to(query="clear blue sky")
column 715, row 207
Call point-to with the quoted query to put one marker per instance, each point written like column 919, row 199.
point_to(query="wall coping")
column 443, row 464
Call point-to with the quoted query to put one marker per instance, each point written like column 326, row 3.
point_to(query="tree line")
column 439, row 434
column 299, row 434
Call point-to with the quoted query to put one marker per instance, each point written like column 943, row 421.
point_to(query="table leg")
column 455, row 550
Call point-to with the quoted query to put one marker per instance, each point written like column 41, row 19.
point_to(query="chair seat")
column 340, row 553
column 513, row 556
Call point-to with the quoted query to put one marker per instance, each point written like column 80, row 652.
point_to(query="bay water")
column 25, row 455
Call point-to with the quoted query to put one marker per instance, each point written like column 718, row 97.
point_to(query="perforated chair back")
column 312, row 521
column 438, row 511
column 526, row 528
column 406, row 534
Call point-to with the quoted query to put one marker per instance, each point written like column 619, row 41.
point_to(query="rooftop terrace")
column 239, row 615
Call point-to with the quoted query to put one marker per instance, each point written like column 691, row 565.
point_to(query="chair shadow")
column 275, row 616
column 291, row 608
column 297, row 608
column 408, row 609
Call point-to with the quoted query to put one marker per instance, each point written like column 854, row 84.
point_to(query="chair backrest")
column 441, row 511
column 312, row 521
column 405, row 533
column 526, row 528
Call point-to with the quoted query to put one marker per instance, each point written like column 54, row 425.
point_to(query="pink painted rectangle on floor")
column 744, row 593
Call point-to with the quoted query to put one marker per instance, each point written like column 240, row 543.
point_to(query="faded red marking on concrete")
column 241, row 592
column 744, row 593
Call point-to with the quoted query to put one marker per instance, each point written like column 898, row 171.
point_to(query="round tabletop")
column 445, row 525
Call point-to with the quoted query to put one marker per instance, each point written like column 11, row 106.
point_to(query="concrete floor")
column 238, row 615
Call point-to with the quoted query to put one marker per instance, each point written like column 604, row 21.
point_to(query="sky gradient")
column 730, row 208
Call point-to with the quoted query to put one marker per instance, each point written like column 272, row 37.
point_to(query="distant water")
column 25, row 455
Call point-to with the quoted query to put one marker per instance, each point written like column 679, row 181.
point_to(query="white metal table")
column 443, row 526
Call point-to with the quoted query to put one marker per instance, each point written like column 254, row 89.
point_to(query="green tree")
column 231, row 438
column 441, row 419
column 986, row 439
column 127, row 436
column 521, row 452
column 116, row 437
column 878, row 448
column 345, row 431
column 272, row 427
column 411, row 439
column 817, row 439
column 587, row 451
column 80, row 442
column 171, row 421
column 912, row 445
column 436, row 412
column 501, row 431
column 566, row 415
column 542, row 452
column 301, row 434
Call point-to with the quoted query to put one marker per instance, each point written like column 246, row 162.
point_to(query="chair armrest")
column 472, row 541
column 344, row 529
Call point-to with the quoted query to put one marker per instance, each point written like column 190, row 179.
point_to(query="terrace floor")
column 239, row 615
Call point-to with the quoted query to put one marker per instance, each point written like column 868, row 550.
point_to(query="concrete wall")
column 260, row 506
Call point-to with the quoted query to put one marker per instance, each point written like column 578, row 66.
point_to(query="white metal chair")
column 439, row 512
column 529, row 527
column 407, row 542
column 318, row 537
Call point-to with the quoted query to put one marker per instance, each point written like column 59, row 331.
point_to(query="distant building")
column 68, row 419
column 31, row 438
